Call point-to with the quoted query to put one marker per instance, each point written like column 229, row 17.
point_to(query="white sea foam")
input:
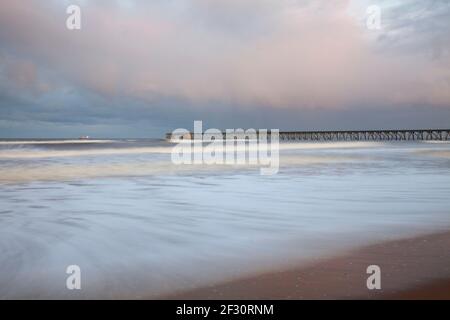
column 30, row 153
column 25, row 142
column 33, row 153
column 77, row 171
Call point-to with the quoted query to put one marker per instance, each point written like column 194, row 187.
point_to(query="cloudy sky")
column 141, row 68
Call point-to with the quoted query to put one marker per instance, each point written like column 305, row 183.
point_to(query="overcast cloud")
column 140, row 68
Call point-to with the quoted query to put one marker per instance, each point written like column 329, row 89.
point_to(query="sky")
column 143, row 68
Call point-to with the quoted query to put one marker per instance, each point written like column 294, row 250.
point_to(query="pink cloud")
column 309, row 56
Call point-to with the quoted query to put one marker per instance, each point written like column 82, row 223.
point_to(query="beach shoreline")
column 412, row 268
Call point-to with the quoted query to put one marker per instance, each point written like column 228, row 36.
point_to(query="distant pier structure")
column 351, row 135
column 367, row 135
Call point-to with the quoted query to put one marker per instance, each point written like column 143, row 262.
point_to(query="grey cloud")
column 139, row 68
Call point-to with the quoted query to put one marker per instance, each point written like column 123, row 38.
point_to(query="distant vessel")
column 84, row 138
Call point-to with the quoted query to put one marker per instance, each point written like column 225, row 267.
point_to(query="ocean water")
column 139, row 226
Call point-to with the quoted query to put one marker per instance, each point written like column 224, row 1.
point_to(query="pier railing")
column 358, row 135
column 367, row 135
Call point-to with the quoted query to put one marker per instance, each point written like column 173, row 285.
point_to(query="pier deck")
column 357, row 135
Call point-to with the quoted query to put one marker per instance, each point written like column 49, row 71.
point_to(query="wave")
column 437, row 141
column 435, row 153
column 32, row 153
column 330, row 145
column 288, row 145
column 77, row 171
column 26, row 142
column 57, row 172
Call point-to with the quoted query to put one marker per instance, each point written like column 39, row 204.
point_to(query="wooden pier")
column 358, row 135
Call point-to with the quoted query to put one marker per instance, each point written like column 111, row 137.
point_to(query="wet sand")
column 417, row 268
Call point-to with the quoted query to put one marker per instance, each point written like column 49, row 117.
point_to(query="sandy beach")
column 415, row 268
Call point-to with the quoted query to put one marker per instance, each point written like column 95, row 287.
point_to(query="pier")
column 368, row 135
column 353, row 135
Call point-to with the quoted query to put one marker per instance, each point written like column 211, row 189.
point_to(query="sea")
column 140, row 226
